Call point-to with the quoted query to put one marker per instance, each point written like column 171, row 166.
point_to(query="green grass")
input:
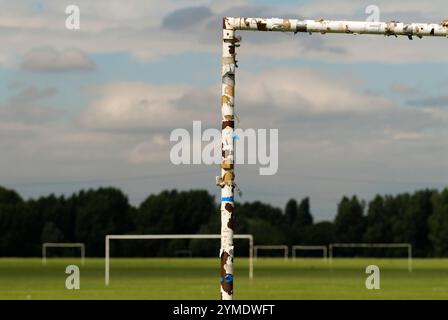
column 198, row 279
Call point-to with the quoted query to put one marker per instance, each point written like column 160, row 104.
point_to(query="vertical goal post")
column 230, row 42
column 308, row 248
column 407, row 246
column 171, row 237
column 273, row 247
column 47, row 245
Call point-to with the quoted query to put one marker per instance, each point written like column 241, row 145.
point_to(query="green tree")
column 304, row 216
column 20, row 230
column 416, row 222
column 175, row 212
column 349, row 221
column 377, row 223
column 291, row 211
column 171, row 211
column 9, row 197
column 98, row 213
column 321, row 233
column 438, row 224
column 51, row 233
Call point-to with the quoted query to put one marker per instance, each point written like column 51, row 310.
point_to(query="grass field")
column 198, row 279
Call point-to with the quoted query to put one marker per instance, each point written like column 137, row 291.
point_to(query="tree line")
column 419, row 218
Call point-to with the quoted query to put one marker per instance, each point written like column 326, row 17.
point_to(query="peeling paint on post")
column 229, row 44
column 227, row 178
column 392, row 28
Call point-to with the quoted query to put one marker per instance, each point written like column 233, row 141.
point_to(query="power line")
column 214, row 170
column 108, row 180
column 367, row 181
column 292, row 174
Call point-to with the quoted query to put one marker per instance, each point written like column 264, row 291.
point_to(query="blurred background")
column 362, row 124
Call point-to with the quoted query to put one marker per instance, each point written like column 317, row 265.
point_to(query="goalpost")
column 279, row 247
column 173, row 236
column 230, row 43
column 407, row 246
column 314, row 248
column 46, row 245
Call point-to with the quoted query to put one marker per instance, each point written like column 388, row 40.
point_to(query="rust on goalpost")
column 230, row 42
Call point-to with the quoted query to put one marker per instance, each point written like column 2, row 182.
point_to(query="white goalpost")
column 170, row 237
column 407, row 246
column 47, row 245
column 276, row 247
column 313, row 248
column 230, row 42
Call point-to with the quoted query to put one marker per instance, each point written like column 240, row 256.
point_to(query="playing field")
column 198, row 279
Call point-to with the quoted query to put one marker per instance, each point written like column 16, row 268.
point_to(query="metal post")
column 230, row 42
column 106, row 265
column 83, row 255
column 44, row 255
column 251, row 257
column 330, row 256
column 227, row 178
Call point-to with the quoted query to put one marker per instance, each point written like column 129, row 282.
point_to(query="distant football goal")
column 47, row 245
column 406, row 246
column 171, row 237
column 283, row 248
column 309, row 248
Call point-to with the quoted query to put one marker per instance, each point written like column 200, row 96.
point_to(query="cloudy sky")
column 356, row 114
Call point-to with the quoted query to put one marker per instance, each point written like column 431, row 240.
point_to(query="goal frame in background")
column 373, row 245
column 303, row 247
column 271, row 247
column 47, row 245
column 171, row 237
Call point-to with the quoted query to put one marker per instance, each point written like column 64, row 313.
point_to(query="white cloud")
column 403, row 89
column 305, row 91
column 324, row 124
column 135, row 27
column 437, row 114
column 51, row 60
column 137, row 106
column 25, row 105
column 405, row 135
column 156, row 149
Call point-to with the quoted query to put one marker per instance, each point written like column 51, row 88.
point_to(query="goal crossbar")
column 303, row 247
column 63, row 245
column 407, row 246
column 272, row 247
column 173, row 236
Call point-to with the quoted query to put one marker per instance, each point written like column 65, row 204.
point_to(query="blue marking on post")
column 227, row 199
column 229, row 278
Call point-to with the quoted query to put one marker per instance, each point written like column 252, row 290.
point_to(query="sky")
column 94, row 107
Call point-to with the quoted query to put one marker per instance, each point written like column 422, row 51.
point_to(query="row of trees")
column 420, row 218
